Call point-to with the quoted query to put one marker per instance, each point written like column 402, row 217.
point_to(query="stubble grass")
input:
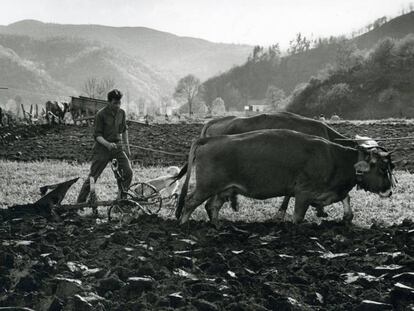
column 20, row 182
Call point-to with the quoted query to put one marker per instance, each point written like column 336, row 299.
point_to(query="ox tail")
column 180, row 175
column 184, row 189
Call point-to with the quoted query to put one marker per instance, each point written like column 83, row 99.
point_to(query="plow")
column 138, row 197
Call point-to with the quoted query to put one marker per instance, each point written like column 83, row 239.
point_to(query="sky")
column 262, row 22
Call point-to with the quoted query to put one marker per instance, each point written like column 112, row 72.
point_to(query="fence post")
column 24, row 112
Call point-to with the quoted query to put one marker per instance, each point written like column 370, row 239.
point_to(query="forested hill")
column 379, row 84
column 267, row 68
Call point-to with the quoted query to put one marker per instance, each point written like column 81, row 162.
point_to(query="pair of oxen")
column 282, row 154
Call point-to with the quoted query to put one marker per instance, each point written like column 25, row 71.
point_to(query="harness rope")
column 376, row 139
column 159, row 151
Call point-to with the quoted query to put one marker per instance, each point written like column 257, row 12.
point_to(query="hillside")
column 396, row 28
column 168, row 52
column 28, row 82
column 379, row 85
column 251, row 80
column 39, row 69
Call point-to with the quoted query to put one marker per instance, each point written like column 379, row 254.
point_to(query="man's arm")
column 125, row 140
column 106, row 143
column 98, row 133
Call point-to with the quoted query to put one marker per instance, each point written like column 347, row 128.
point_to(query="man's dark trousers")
column 101, row 157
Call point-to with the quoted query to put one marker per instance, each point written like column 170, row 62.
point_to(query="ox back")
column 280, row 120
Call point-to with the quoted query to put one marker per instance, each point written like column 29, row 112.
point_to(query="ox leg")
column 213, row 207
column 209, row 209
column 282, row 209
column 348, row 214
column 191, row 203
column 301, row 206
column 234, row 202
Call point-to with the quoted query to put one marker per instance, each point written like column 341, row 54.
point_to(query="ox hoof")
column 183, row 220
column 216, row 225
column 280, row 216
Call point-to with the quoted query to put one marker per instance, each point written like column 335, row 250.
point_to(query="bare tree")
column 98, row 89
column 105, row 86
column 90, row 87
column 188, row 88
column 274, row 97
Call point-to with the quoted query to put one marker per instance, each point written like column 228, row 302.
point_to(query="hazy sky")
column 239, row 21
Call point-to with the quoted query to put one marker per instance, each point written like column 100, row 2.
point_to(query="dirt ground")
column 74, row 143
column 152, row 264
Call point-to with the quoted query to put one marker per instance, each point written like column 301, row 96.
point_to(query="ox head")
column 374, row 171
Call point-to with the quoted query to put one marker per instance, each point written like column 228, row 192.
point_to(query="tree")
column 142, row 106
column 90, row 87
column 98, row 89
column 379, row 22
column 274, row 97
column 382, row 52
column 105, row 86
column 218, row 107
column 337, row 98
column 390, row 99
column 232, row 97
column 188, row 89
column 299, row 44
column 257, row 54
column 274, row 51
column 347, row 55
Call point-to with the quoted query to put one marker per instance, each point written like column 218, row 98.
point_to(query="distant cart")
column 85, row 108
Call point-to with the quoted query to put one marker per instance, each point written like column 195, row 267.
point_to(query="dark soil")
column 74, row 143
column 73, row 263
column 153, row 264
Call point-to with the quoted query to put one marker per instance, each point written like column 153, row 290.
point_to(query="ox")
column 56, row 110
column 271, row 163
column 282, row 120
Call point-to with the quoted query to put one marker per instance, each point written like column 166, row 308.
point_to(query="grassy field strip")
column 20, row 182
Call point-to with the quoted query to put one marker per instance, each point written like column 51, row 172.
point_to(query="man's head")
column 114, row 99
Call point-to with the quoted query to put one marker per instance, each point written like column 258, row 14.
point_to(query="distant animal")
column 271, row 163
column 335, row 117
column 55, row 111
column 282, row 120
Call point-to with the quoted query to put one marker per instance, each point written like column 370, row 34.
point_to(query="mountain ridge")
column 169, row 52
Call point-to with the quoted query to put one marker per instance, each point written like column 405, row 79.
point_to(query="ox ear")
column 362, row 166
